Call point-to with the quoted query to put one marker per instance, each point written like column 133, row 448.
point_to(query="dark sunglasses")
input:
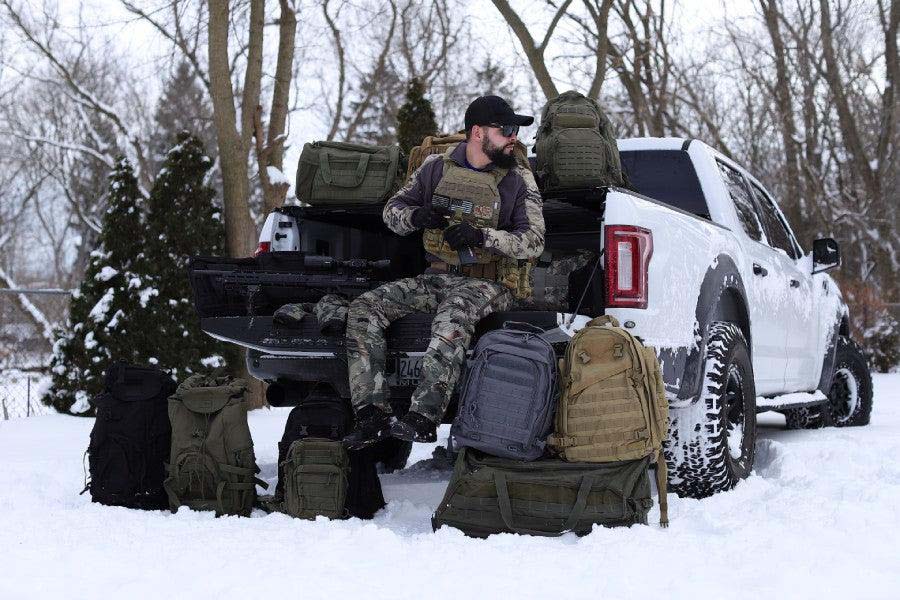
column 506, row 130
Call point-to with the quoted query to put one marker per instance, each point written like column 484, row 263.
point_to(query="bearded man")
column 483, row 222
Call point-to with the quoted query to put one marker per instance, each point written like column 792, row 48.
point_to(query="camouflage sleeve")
column 525, row 239
column 415, row 193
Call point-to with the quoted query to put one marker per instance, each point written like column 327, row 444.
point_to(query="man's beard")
column 497, row 155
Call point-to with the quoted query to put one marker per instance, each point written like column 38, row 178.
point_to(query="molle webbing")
column 613, row 405
column 472, row 197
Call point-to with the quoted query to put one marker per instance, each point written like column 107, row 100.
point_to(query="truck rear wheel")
column 711, row 443
column 849, row 396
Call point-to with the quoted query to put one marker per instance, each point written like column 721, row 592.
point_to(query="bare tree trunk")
column 849, row 130
column 240, row 231
column 271, row 153
column 533, row 51
column 784, row 106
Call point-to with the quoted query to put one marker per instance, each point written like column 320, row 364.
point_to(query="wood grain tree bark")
column 794, row 203
column 534, row 52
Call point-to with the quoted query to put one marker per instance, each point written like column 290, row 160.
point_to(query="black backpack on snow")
column 130, row 439
column 319, row 472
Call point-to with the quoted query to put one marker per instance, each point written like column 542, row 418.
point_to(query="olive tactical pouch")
column 343, row 173
column 212, row 464
column 316, row 481
column 318, row 477
column 488, row 495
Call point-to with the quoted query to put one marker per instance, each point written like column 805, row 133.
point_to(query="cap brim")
column 514, row 119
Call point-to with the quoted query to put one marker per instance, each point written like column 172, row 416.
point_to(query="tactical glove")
column 464, row 236
column 430, row 217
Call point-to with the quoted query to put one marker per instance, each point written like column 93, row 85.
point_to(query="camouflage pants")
column 458, row 303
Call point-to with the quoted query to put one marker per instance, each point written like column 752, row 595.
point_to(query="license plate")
column 409, row 369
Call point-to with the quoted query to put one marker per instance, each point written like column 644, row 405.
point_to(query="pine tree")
column 183, row 106
column 105, row 313
column 415, row 119
column 182, row 221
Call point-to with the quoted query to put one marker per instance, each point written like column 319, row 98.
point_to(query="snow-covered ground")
column 820, row 517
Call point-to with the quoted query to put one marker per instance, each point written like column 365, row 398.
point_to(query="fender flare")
column 722, row 297
column 841, row 327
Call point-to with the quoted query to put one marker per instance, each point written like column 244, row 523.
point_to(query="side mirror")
column 826, row 255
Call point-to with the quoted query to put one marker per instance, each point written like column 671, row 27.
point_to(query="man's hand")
column 430, row 217
column 464, row 236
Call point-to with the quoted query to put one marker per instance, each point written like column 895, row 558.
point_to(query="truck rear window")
column 667, row 176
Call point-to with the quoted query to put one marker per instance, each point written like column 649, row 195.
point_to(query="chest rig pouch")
column 473, row 197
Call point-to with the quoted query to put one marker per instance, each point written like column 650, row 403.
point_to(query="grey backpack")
column 507, row 399
column 575, row 145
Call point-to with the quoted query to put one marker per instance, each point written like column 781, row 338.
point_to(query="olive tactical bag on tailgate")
column 130, row 439
column 612, row 405
column 575, row 145
column 341, row 173
column 489, row 495
column 507, row 400
column 212, row 464
column 316, row 475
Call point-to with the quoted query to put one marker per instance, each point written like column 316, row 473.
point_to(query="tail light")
column 263, row 247
column 628, row 251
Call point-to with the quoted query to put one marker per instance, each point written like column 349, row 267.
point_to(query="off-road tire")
column 711, row 443
column 849, row 394
column 391, row 454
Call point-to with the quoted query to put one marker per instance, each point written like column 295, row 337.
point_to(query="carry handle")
column 328, row 176
column 587, row 482
column 603, row 320
column 523, row 326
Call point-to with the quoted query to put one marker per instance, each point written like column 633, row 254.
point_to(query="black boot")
column 414, row 427
column 372, row 425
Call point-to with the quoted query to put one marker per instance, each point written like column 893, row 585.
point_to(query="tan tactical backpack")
column 612, row 405
column 438, row 144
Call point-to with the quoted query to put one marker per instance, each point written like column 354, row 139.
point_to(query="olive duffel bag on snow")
column 344, row 173
column 488, row 495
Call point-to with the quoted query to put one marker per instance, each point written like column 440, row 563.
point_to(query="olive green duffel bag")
column 342, row 173
column 488, row 495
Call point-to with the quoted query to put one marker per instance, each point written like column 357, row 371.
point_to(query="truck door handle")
column 795, row 283
column 759, row 270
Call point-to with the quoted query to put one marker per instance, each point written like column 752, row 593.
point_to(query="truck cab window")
column 743, row 202
column 776, row 231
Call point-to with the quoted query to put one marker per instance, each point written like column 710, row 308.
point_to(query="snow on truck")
column 696, row 260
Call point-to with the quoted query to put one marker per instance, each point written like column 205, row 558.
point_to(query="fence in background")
column 25, row 350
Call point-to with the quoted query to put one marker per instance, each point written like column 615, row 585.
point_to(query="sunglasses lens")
column 509, row 130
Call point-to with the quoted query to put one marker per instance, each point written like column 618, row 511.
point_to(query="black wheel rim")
column 844, row 395
column 734, row 412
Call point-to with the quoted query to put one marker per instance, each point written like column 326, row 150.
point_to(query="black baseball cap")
column 489, row 110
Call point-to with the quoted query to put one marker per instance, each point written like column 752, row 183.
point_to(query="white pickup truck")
column 695, row 259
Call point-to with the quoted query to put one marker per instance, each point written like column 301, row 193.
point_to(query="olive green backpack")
column 344, row 173
column 316, row 479
column 575, row 145
column 212, row 465
column 612, row 406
